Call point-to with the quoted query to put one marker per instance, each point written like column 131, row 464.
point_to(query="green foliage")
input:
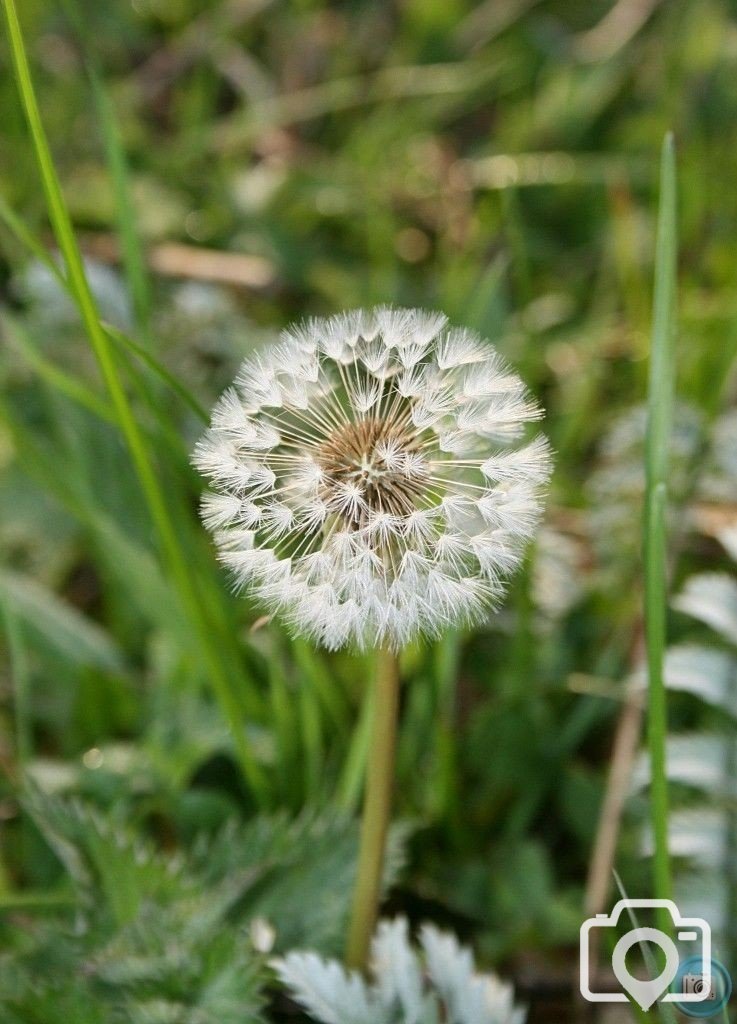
column 155, row 936
column 67, row 633
column 702, row 764
column 498, row 161
column 144, row 942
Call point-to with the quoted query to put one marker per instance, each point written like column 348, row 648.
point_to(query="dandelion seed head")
column 369, row 479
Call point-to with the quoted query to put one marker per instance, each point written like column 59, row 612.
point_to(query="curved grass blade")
column 175, row 556
column 21, row 682
column 38, row 250
column 59, row 379
column 33, row 244
column 134, row 262
column 660, row 401
column 125, row 341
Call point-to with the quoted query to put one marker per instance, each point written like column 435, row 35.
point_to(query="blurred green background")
column 229, row 167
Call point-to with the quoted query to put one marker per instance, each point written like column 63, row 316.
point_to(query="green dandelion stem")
column 376, row 811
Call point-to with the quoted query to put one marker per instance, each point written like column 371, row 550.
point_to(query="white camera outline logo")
column 611, row 920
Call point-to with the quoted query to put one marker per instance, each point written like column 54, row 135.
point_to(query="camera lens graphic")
column 690, row 979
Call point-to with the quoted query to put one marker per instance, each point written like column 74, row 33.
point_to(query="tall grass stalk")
column 34, row 245
column 122, row 340
column 134, row 260
column 175, row 556
column 349, row 784
column 21, row 679
column 67, row 384
column 660, row 402
column 662, row 1011
column 446, row 661
column 133, row 257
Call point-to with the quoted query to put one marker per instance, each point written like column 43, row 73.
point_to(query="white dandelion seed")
column 369, row 484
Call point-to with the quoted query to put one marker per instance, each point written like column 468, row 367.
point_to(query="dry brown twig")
column 615, row 30
column 177, row 259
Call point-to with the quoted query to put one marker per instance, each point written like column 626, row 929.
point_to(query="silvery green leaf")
column 703, row 892
column 328, row 991
column 451, row 990
column 699, row 834
column 470, row 998
column 724, row 455
column 712, row 599
column 693, row 759
column 707, row 673
column 557, row 580
column 729, row 541
column 696, row 834
column 397, row 970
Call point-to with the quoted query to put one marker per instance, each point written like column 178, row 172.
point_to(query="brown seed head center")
column 376, row 455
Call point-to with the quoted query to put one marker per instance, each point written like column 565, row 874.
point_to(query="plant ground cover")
column 193, row 772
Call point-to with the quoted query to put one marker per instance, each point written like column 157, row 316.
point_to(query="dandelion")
column 372, row 483
column 369, row 480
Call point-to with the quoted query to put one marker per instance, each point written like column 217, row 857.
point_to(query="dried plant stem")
column 376, row 812
column 624, row 753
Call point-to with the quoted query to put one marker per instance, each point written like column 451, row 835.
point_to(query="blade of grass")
column 52, row 375
column 29, row 240
column 446, row 662
column 61, row 223
column 29, row 901
column 519, row 264
column 78, row 392
column 283, row 717
column 134, row 262
column 132, row 565
column 309, row 716
column 53, row 471
column 660, row 401
column 662, row 1010
column 149, row 398
column 124, row 341
column 21, row 681
column 312, row 667
column 349, row 784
